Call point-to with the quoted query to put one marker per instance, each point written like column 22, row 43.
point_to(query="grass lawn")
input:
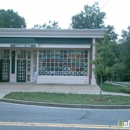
column 111, row 88
column 115, row 88
column 68, row 98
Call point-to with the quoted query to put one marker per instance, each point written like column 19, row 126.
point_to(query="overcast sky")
column 41, row 11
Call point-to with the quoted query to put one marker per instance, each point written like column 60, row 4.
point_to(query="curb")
column 66, row 105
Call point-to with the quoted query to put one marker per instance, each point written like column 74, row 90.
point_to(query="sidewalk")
column 6, row 88
column 124, row 84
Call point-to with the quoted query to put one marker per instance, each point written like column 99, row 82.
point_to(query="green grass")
column 111, row 88
column 68, row 98
column 115, row 88
column 125, row 90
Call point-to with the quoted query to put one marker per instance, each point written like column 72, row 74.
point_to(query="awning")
column 64, row 40
column 17, row 40
column 26, row 40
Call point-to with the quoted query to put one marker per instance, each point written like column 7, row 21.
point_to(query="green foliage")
column 125, row 35
column 125, row 90
column 119, row 71
column 91, row 17
column 50, row 25
column 125, row 50
column 104, row 78
column 110, row 33
column 103, row 58
column 11, row 19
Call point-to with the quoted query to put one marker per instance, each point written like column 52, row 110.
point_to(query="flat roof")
column 52, row 33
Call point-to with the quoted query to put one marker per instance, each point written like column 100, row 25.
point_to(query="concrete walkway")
column 123, row 84
column 6, row 88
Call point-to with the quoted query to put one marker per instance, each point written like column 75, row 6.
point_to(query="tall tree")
column 125, row 50
column 125, row 35
column 11, row 19
column 103, row 59
column 111, row 34
column 49, row 25
column 91, row 17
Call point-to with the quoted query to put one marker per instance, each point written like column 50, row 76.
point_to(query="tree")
column 111, row 34
column 91, row 17
column 11, row 19
column 50, row 25
column 125, row 50
column 103, row 60
column 125, row 36
column 122, row 51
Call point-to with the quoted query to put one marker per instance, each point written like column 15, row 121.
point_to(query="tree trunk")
column 101, row 88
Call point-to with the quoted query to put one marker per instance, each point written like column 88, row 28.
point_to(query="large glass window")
column 21, row 54
column 4, row 54
column 63, row 62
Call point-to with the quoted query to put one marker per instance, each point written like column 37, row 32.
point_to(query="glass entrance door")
column 4, row 70
column 21, row 70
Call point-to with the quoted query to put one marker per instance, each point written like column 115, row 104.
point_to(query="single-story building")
column 48, row 56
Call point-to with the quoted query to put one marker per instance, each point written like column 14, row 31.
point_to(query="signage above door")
column 22, row 45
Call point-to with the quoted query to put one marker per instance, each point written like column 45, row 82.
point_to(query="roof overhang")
column 53, row 33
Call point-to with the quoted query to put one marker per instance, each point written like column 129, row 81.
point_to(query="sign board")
column 22, row 45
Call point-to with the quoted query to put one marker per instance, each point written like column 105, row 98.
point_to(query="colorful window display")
column 63, row 62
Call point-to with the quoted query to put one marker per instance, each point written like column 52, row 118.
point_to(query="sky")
column 41, row 11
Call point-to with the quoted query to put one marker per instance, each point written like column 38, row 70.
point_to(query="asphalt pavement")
column 19, row 117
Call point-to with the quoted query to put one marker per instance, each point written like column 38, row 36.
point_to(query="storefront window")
column 63, row 62
column 21, row 54
column 4, row 54
column 5, row 64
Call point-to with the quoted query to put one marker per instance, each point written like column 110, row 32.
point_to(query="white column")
column 32, row 64
column 37, row 61
column 93, row 80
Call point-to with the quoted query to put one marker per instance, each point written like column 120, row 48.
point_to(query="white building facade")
column 48, row 56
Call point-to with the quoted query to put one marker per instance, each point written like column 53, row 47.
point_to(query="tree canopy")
column 91, row 17
column 11, row 19
column 49, row 25
column 111, row 34
column 125, row 48
column 103, row 60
